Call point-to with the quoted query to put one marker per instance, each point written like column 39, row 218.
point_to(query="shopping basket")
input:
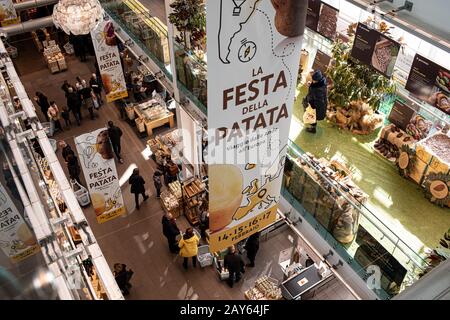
column 81, row 193
column 204, row 257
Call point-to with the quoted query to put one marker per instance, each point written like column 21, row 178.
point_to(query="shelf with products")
column 170, row 203
column 193, row 191
column 67, row 236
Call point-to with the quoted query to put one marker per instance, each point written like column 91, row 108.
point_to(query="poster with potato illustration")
column 97, row 160
column 17, row 241
column 108, row 59
column 253, row 52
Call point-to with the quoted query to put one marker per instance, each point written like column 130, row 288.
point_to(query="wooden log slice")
column 439, row 189
column 403, row 160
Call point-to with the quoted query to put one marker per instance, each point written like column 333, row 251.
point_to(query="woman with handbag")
column 317, row 98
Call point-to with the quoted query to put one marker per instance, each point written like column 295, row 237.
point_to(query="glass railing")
column 356, row 233
column 191, row 75
column 147, row 31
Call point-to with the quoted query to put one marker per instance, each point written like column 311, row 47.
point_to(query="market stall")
column 150, row 114
column 53, row 56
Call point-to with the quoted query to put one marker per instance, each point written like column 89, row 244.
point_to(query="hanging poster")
column 253, row 52
column 8, row 13
column 322, row 18
column 375, row 49
column 16, row 239
column 108, row 59
column 430, row 82
column 97, row 160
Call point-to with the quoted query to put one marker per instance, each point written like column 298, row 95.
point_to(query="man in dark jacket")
column 235, row 265
column 114, row 135
column 252, row 247
column 74, row 104
column 96, row 88
column 42, row 102
column 87, row 98
column 171, row 231
column 137, row 186
column 157, row 182
column 318, row 98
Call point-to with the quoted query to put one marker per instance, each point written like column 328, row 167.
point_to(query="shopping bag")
column 309, row 116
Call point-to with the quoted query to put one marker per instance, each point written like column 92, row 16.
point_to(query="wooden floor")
column 136, row 239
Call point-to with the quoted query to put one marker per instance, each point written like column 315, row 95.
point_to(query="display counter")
column 149, row 115
column 305, row 283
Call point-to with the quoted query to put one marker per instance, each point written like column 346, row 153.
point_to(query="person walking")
column 189, row 247
column 65, row 149
column 252, row 247
column 234, row 263
column 73, row 166
column 115, row 134
column 42, row 102
column 137, row 186
column 123, row 277
column 96, row 88
column 157, row 182
column 54, row 115
column 171, row 231
column 65, row 114
column 317, row 98
column 74, row 104
column 65, row 87
column 85, row 92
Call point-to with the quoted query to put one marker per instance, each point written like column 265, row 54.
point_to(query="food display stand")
column 170, row 203
column 192, row 192
column 265, row 288
column 150, row 115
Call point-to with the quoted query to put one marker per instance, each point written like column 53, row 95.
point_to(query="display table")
column 305, row 282
column 151, row 114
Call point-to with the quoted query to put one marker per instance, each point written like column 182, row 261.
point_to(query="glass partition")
column 343, row 220
column 191, row 75
column 147, row 31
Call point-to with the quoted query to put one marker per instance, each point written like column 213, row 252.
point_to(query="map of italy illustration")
column 239, row 12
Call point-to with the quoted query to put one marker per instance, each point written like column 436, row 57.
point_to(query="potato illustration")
column 25, row 235
column 103, row 145
column 290, row 17
column 225, row 186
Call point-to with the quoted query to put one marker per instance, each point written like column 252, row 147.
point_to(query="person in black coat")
column 157, row 182
column 122, row 276
column 74, row 104
column 252, row 247
column 96, row 88
column 171, row 231
column 318, row 98
column 73, row 167
column 114, row 135
column 235, row 265
column 137, row 186
column 42, row 102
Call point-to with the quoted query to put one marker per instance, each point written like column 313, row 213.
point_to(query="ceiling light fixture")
column 77, row 16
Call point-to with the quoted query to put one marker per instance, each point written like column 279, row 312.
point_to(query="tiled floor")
column 136, row 239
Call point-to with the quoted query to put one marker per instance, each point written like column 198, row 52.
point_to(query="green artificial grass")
column 397, row 202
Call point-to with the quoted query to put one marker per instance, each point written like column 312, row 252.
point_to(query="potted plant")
column 189, row 17
column 356, row 90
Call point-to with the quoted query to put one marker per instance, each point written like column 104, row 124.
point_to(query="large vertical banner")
column 97, row 160
column 108, row 59
column 8, row 14
column 16, row 239
column 253, row 57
